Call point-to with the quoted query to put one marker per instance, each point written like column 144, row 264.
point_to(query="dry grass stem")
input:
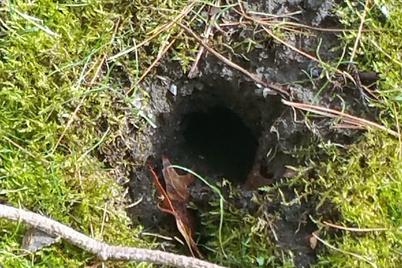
column 353, row 229
column 359, row 32
column 208, row 32
column 268, row 84
column 162, row 52
column 157, row 31
column 346, row 118
column 261, row 23
column 362, row 258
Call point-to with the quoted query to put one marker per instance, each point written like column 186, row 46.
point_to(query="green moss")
column 49, row 55
column 365, row 182
column 245, row 238
column 56, row 88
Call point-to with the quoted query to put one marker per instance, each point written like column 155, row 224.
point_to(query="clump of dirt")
column 223, row 125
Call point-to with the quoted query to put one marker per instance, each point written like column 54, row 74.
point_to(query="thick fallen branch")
column 100, row 249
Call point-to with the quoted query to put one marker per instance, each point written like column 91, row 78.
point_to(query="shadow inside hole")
column 222, row 140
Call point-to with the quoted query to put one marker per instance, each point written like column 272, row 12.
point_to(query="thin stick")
column 24, row 150
column 70, row 121
column 100, row 249
column 155, row 62
column 306, row 54
column 345, row 74
column 281, row 24
column 396, row 61
column 350, row 119
column 274, row 86
column 362, row 258
column 163, row 50
column 398, row 129
column 352, row 229
column 207, row 32
column 359, row 33
column 163, row 28
column 99, row 69
column 97, row 72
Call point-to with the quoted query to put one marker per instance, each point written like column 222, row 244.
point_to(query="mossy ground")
column 52, row 98
column 57, row 88
column 365, row 181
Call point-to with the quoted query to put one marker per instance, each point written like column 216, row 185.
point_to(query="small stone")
column 173, row 89
column 268, row 92
column 35, row 240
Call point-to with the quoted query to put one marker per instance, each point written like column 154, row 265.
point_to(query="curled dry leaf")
column 174, row 201
column 313, row 240
column 176, row 185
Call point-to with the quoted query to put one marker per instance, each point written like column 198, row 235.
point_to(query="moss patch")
column 58, row 90
column 53, row 93
column 366, row 181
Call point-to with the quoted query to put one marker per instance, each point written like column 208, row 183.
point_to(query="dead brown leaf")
column 313, row 240
column 174, row 200
column 176, row 185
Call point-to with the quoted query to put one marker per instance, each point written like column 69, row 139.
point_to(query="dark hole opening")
column 220, row 138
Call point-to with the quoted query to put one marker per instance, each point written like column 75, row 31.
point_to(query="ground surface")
column 84, row 109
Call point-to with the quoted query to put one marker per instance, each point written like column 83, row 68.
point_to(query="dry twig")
column 162, row 52
column 163, row 49
column 207, row 33
column 359, row 33
column 268, row 84
column 353, row 229
column 157, row 31
column 263, row 23
column 100, row 249
column 346, row 118
column 357, row 256
column 295, row 26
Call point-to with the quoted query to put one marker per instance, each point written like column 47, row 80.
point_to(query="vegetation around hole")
column 68, row 86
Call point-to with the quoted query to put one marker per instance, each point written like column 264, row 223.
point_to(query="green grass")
column 247, row 239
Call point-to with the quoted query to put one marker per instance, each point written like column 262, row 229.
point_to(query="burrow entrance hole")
column 217, row 131
column 220, row 137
